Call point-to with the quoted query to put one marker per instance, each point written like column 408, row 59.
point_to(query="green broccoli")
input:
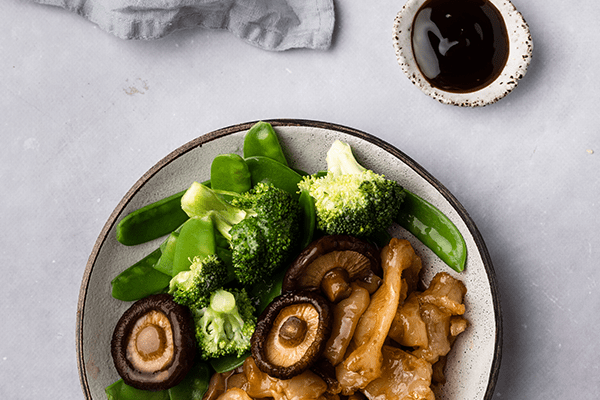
column 351, row 199
column 261, row 225
column 226, row 325
column 193, row 288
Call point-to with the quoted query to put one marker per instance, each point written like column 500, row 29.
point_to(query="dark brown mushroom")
column 153, row 345
column 291, row 334
column 320, row 263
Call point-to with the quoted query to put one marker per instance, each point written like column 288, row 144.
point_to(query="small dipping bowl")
column 518, row 44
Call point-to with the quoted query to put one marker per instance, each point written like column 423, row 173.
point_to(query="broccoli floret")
column 193, row 288
column 226, row 325
column 351, row 199
column 261, row 225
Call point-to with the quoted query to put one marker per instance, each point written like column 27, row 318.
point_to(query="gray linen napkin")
column 268, row 24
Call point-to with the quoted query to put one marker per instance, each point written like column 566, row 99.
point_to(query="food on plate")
column 377, row 362
column 350, row 199
column 262, row 141
column 275, row 305
column 363, row 364
column 153, row 345
column 225, row 324
column 411, row 377
column 195, row 286
column 261, row 226
column 291, row 334
column 434, row 230
column 331, row 263
column 151, row 221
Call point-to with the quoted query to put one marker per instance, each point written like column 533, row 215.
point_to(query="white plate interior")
column 474, row 360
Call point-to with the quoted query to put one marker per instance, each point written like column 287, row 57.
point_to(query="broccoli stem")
column 222, row 301
column 199, row 200
column 341, row 161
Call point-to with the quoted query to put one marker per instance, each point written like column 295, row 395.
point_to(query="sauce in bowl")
column 460, row 46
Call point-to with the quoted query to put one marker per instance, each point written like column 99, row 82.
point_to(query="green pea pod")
column 264, row 294
column 194, row 385
column 220, row 240
column 229, row 362
column 301, row 172
column 230, row 172
column 121, row 391
column 226, row 256
column 262, row 140
column 434, row 229
column 309, row 218
column 263, row 169
column 153, row 220
column 140, row 280
column 196, row 239
column 165, row 262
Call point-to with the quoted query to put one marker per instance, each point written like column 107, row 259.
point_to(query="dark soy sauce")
column 460, row 45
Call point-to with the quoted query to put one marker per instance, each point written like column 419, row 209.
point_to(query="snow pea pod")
column 121, row 391
column 434, row 229
column 196, row 239
column 229, row 362
column 309, row 218
column 264, row 294
column 264, row 169
column 153, row 220
column 165, row 262
column 140, row 280
column 262, row 140
column 230, row 172
column 194, row 385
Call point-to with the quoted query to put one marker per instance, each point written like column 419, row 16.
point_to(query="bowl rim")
column 519, row 57
column 219, row 133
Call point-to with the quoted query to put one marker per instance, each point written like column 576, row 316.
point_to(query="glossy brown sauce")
column 460, row 45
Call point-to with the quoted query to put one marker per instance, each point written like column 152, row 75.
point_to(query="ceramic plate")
column 474, row 362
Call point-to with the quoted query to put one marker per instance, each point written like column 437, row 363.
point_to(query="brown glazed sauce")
column 460, row 45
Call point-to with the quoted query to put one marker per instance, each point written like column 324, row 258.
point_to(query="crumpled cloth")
column 268, row 24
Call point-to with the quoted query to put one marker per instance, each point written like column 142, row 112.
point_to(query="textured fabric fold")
column 268, row 24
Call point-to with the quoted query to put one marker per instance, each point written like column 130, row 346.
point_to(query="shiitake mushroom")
column 330, row 263
column 291, row 334
column 153, row 345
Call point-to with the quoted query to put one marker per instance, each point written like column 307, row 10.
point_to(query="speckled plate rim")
column 519, row 58
column 220, row 133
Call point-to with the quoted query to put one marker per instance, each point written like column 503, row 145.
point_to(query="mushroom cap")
column 153, row 345
column 358, row 257
column 291, row 334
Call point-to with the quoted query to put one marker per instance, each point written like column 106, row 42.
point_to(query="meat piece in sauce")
column 306, row 386
column 403, row 377
column 234, row 394
column 439, row 303
column 346, row 315
column 408, row 328
column 364, row 362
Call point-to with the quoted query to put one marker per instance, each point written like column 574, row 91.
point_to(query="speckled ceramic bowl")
column 474, row 362
column 519, row 57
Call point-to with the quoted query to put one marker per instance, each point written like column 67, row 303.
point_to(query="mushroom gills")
column 150, row 345
column 280, row 349
column 310, row 270
column 291, row 333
